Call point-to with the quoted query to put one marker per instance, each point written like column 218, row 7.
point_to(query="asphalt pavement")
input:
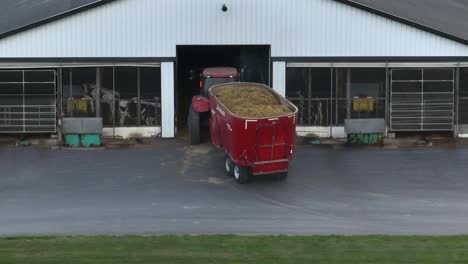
column 174, row 188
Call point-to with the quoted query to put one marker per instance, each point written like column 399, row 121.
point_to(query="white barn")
column 335, row 60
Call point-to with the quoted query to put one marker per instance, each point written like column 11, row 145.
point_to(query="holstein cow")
column 107, row 96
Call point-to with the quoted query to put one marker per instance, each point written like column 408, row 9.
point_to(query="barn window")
column 463, row 97
column 310, row 90
column 150, row 94
column 107, row 101
column 122, row 96
column 126, row 90
column 360, row 93
column 78, row 91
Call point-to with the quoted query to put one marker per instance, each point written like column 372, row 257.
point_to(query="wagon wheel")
column 241, row 174
column 194, row 126
column 229, row 166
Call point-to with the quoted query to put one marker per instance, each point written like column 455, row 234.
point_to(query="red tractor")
column 199, row 112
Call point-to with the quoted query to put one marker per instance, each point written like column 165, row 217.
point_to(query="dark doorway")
column 252, row 61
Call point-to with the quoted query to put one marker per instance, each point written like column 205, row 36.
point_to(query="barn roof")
column 20, row 15
column 448, row 17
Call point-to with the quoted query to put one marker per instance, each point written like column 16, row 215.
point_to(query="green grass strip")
column 234, row 249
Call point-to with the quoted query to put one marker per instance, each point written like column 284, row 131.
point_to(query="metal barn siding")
column 167, row 100
column 149, row 28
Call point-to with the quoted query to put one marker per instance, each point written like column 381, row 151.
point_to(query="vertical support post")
column 387, row 100
column 348, row 93
column 457, row 101
column 270, row 66
column 114, row 110
column 59, row 93
column 309, row 97
column 138, row 97
column 279, row 77
column 331, row 99
column 59, row 104
column 422, row 100
column 337, row 101
column 70, row 89
column 167, row 100
column 98, row 92
column 24, row 103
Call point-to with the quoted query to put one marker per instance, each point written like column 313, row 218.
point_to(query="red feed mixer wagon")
column 253, row 146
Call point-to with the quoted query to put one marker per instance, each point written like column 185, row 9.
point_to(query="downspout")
column 60, row 107
column 387, row 100
column 456, row 130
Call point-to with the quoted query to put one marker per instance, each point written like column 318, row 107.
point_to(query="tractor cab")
column 199, row 112
column 217, row 75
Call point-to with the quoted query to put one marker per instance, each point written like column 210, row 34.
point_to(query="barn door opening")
column 252, row 61
column 28, row 101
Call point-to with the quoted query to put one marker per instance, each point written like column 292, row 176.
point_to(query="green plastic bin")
column 366, row 139
column 72, row 140
column 90, row 140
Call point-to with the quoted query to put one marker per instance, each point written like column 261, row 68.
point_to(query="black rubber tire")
column 229, row 166
column 241, row 174
column 282, row 176
column 194, row 126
